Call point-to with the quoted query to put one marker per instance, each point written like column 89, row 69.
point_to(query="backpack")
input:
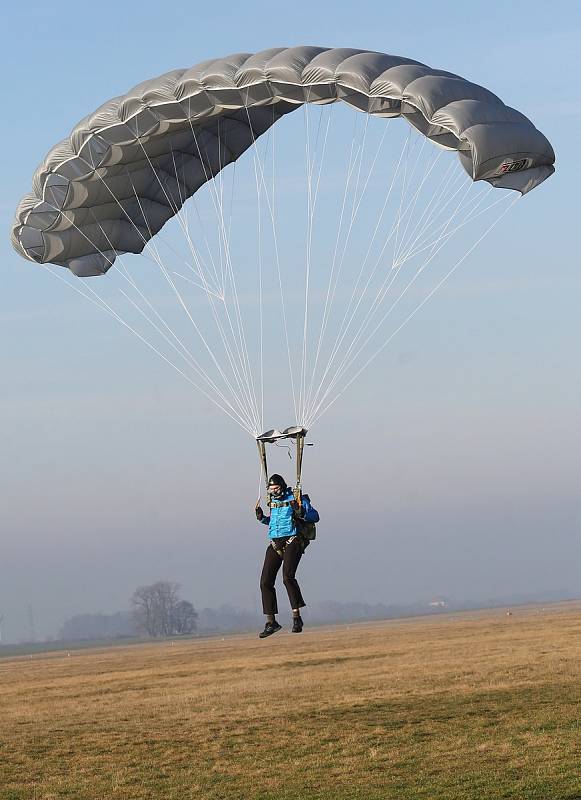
column 306, row 530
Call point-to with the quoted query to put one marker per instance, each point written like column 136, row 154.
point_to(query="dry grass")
column 448, row 708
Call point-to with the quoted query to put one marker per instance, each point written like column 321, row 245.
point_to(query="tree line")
column 157, row 610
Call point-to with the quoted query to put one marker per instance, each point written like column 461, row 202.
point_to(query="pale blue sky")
column 458, row 460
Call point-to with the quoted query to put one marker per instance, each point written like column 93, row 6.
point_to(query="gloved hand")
column 259, row 513
column 298, row 510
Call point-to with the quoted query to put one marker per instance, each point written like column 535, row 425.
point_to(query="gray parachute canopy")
column 113, row 183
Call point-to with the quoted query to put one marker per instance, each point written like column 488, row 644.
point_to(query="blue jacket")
column 281, row 521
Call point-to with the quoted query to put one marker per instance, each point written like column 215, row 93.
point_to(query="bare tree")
column 159, row 611
column 144, row 612
column 185, row 617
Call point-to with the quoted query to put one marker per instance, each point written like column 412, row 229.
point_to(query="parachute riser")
column 263, row 464
column 271, row 436
column 300, row 442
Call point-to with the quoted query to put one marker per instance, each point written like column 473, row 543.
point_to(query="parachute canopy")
column 113, row 183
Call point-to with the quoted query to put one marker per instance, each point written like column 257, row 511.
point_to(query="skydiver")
column 285, row 548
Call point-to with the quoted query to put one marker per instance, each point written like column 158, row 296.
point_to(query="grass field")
column 456, row 707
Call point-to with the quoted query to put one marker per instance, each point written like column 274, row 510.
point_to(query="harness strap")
column 280, row 551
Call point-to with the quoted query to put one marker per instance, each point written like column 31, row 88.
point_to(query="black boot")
column 269, row 629
column 297, row 625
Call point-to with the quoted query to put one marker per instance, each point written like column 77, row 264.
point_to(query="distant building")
column 438, row 602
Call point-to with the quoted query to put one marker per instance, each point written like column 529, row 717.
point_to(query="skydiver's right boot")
column 271, row 627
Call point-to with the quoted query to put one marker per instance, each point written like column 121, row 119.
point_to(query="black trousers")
column 272, row 563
